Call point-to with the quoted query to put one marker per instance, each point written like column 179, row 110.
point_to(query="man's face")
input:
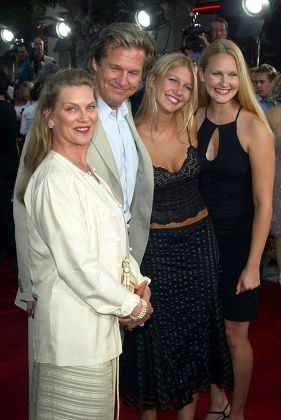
column 22, row 53
column 39, row 45
column 118, row 74
column 264, row 86
column 218, row 31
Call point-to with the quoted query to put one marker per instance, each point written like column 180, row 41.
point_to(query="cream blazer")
column 77, row 240
column 101, row 158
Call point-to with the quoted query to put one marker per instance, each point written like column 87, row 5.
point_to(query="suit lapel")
column 141, row 149
column 101, row 143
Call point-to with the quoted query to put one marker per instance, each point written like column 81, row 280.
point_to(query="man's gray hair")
column 124, row 35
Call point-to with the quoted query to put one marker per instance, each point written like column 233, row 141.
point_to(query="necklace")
column 91, row 173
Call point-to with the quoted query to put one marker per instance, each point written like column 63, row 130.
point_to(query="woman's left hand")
column 249, row 280
column 127, row 321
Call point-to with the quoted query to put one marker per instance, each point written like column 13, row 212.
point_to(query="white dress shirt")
column 27, row 118
column 123, row 148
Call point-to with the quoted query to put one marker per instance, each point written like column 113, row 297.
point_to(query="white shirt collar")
column 105, row 110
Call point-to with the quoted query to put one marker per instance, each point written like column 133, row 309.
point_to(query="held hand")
column 30, row 308
column 130, row 324
column 249, row 280
column 204, row 42
column 146, row 294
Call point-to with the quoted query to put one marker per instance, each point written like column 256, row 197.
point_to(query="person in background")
column 24, row 70
column 265, row 80
column 219, row 30
column 39, row 57
column 183, row 348
column 252, row 75
column 22, row 100
column 76, row 273
column 22, row 97
column 236, row 150
column 8, row 169
column 29, row 112
column 274, row 118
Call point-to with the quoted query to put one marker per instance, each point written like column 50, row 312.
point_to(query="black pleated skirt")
column 182, row 349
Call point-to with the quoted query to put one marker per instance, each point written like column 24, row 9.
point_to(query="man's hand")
column 204, row 42
column 30, row 308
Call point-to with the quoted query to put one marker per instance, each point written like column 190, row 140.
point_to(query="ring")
column 141, row 325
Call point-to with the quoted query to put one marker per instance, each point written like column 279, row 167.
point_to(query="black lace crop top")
column 176, row 194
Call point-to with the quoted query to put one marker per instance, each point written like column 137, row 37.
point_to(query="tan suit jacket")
column 100, row 156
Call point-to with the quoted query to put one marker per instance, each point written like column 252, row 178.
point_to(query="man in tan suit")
column 121, row 54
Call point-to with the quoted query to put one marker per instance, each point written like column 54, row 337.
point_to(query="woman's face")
column 221, row 78
column 74, row 116
column 174, row 89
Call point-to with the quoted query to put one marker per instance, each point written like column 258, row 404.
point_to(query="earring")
column 51, row 124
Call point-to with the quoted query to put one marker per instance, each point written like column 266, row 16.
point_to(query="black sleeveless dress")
column 226, row 185
column 182, row 349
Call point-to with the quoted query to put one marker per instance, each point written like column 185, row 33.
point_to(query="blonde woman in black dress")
column 183, row 349
column 236, row 152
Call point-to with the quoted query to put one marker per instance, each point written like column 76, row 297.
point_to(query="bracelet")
column 142, row 312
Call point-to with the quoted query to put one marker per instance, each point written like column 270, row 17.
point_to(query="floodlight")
column 255, row 8
column 63, row 30
column 152, row 17
column 6, row 35
column 142, row 18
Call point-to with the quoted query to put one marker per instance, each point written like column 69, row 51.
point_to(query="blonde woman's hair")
column 148, row 110
column 246, row 95
column 41, row 136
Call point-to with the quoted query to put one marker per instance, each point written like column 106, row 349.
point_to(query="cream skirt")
column 72, row 393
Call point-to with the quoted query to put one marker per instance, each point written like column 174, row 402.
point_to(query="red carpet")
column 265, row 397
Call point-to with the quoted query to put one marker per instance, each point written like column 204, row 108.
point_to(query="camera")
column 190, row 34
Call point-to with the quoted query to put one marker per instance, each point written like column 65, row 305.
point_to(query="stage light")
column 255, row 8
column 142, row 19
column 151, row 17
column 6, row 35
column 63, row 30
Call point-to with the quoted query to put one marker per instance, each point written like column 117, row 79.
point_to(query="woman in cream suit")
column 77, row 242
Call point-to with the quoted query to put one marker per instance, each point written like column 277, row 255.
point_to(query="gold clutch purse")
column 129, row 280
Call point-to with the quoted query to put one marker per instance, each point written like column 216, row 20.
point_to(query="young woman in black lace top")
column 236, row 152
column 183, row 348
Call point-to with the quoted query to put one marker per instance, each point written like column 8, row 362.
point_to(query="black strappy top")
column 226, row 181
column 176, row 194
